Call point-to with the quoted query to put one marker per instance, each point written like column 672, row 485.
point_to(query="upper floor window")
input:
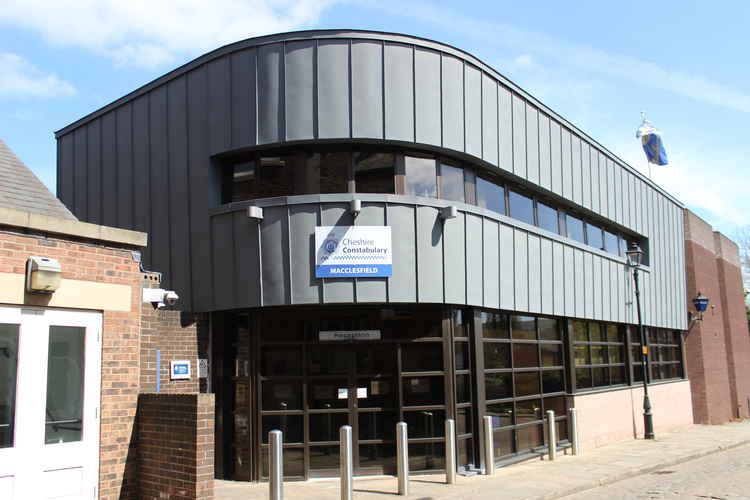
column 490, row 195
column 548, row 218
column 521, row 207
column 452, row 182
column 374, row 172
column 420, row 177
column 574, row 226
column 416, row 174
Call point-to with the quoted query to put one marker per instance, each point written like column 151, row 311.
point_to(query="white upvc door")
column 50, row 366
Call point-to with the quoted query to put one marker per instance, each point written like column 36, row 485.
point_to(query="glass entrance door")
column 351, row 385
column 49, row 398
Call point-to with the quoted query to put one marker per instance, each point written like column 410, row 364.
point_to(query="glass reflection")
column 496, row 355
column 528, row 411
column 65, row 372
column 451, row 182
column 8, row 372
column 281, row 395
column 490, row 195
column 423, row 391
column 495, row 325
column 325, row 426
column 421, row 177
column 425, row 424
column 523, row 327
column 501, row 413
column 374, row 173
column 498, row 385
column 529, row 437
column 521, row 207
column 527, row 384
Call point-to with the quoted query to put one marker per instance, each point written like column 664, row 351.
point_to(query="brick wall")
column 176, row 446
column 717, row 348
column 90, row 261
column 174, row 334
column 735, row 325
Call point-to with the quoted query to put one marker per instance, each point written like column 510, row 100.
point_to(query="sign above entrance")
column 353, row 251
column 349, row 335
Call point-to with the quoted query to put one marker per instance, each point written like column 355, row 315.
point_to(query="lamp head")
column 700, row 302
column 634, row 255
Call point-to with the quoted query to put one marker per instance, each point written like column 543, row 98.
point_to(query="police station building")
column 382, row 228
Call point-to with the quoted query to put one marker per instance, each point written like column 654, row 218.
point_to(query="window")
column 665, row 354
column 490, row 195
column 521, row 207
column 599, row 357
column 65, row 363
column 420, row 177
column 329, row 172
column 574, row 227
column 8, row 372
column 547, row 217
column 524, row 376
column 594, row 236
column 374, row 173
column 452, row 183
column 611, row 243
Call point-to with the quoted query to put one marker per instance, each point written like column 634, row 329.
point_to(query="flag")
column 652, row 143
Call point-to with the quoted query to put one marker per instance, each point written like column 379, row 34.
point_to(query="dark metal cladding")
column 148, row 162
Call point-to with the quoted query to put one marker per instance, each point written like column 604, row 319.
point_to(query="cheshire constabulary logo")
column 330, row 244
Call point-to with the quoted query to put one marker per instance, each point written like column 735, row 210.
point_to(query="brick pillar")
column 176, row 446
column 705, row 344
column 735, row 324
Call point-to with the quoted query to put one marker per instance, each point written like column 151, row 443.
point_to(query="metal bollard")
column 402, row 457
column 573, row 429
column 450, row 451
column 275, row 466
column 489, row 446
column 552, row 434
column 346, row 459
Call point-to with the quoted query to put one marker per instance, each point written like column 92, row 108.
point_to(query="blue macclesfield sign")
column 353, row 251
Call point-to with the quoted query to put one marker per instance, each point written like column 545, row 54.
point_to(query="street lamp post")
column 634, row 255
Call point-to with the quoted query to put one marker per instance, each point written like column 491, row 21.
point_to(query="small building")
column 378, row 228
column 71, row 329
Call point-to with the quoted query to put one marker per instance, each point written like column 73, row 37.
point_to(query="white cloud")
column 149, row 33
column 574, row 55
column 20, row 78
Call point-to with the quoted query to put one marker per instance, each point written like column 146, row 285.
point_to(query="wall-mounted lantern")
column 43, row 275
column 355, row 207
column 450, row 212
column 700, row 302
column 254, row 212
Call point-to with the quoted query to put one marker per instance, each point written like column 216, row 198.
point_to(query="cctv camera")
column 170, row 297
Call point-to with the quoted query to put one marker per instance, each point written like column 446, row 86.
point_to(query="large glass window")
column 329, row 172
column 65, row 364
column 599, row 354
column 524, row 375
column 490, row 195
column 374, row 173
column 548, row 218
column 452, row 182
column 665, row 354
column 574, row 227
column 8, row 372
column 521, row 207
column 420, row 177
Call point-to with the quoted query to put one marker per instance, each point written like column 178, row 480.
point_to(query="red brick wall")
column 176, row 446
column 174, row 334
column 736, row 336
column 705, row 346
column 88, row 261
column 717, row 348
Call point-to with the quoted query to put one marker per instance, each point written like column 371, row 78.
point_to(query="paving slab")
column 537, row 479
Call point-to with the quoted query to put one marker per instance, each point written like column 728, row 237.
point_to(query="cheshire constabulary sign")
column 353, row 251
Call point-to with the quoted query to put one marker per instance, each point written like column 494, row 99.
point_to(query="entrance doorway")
column 49, row 399
column 352, row 385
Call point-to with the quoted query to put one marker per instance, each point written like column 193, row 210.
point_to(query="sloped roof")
column 20, row 189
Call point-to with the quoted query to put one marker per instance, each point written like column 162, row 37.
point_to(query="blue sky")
column 597, row 63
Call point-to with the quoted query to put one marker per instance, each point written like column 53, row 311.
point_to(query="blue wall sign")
column 353, row 251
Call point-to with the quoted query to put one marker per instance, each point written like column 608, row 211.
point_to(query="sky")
column 598, row 64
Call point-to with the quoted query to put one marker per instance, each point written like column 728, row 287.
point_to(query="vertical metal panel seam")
column 499, row 262
column 132, row 167
column 316, row 91
column 282, row 132
column 101, row 171
column 497, row 131
column 386, row 206
column 481, row 131
column 187, row 180
column 442, row 91
column 288, row 260
column 72, row 195
column 466, row 261
column 117, row 173
column 414, row 98
column 256, row 53
column 416, row 252
column 169, row 182
column 463, row 92
column 261, row 300
column 231, row 100
column 349, row 96
column 382, row 87
column 484, row 298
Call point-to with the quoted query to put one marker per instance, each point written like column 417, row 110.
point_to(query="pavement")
column 532, row 480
